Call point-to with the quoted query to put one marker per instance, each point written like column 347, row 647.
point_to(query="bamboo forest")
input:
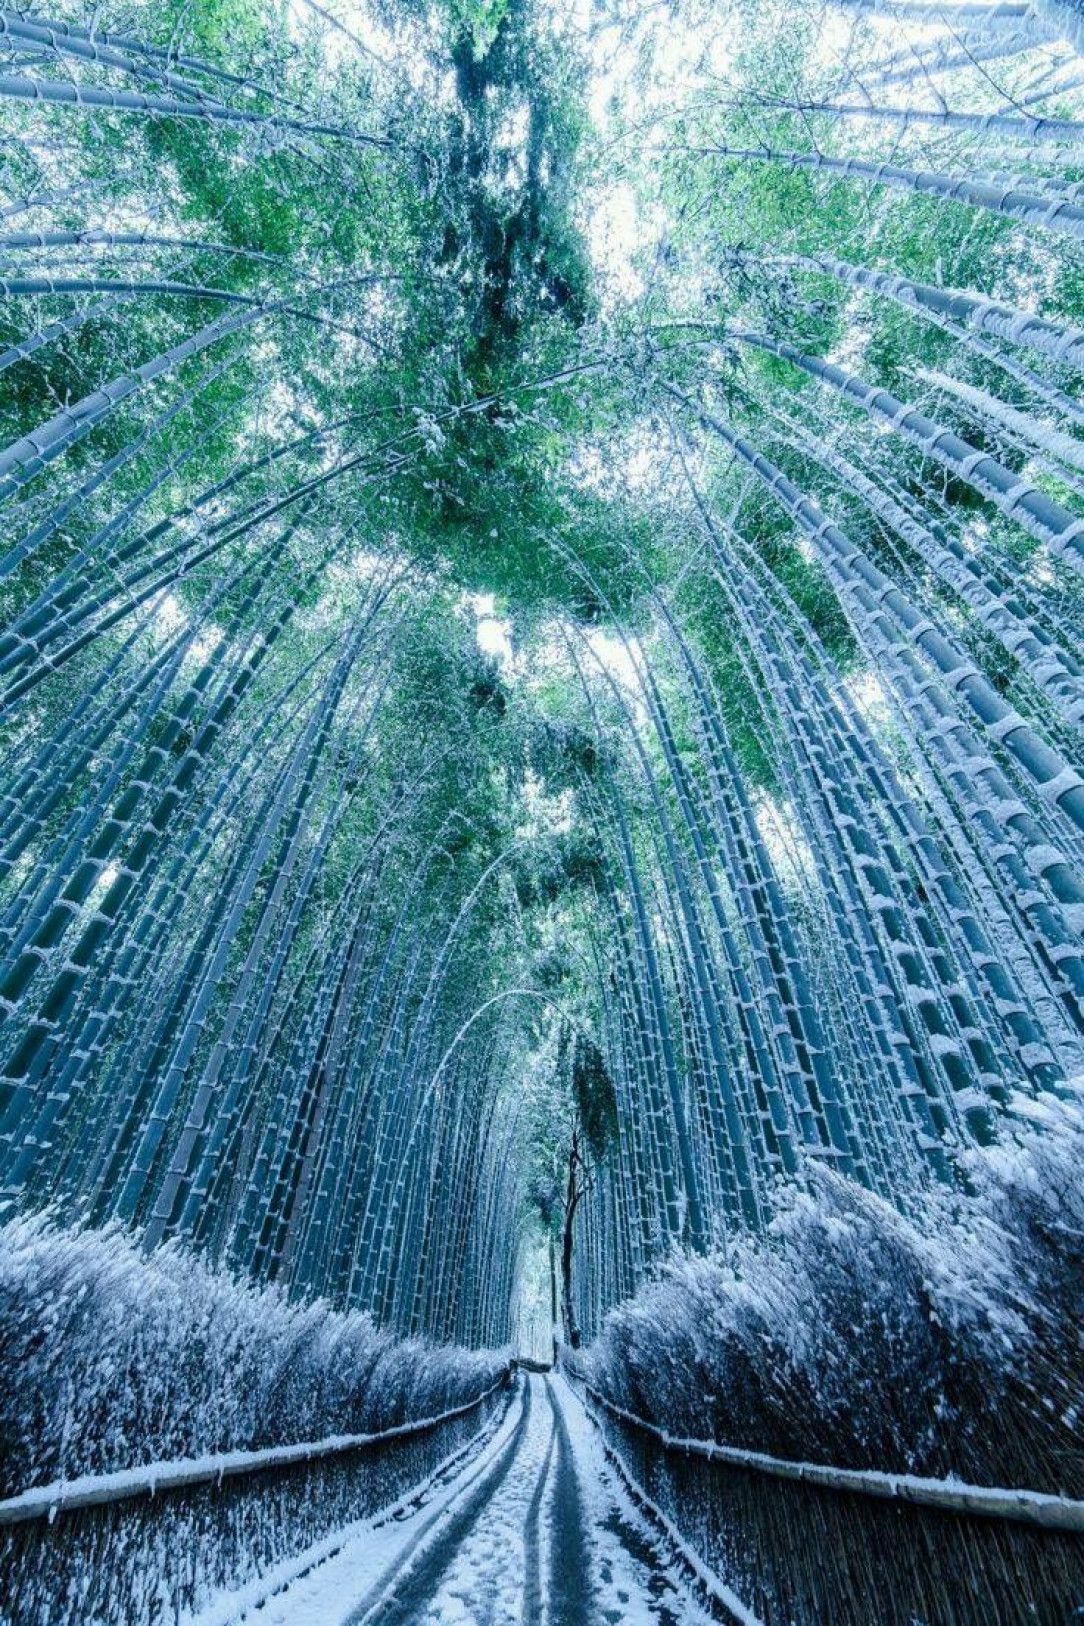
column 541, row 812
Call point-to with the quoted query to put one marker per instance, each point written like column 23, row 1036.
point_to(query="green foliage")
column 459, row 389
column 481, row 19
column 595, row 1096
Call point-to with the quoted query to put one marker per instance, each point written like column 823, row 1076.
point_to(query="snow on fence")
column 803, row 1542
column 156, row 1542
column 95, row 1490
column 951, row 1496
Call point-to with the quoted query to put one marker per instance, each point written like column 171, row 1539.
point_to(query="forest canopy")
column 542, row 614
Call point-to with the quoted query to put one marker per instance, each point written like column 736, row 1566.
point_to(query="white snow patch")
column 622, row 1582
column 324, row 1585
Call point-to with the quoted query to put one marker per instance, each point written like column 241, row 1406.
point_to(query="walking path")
column 528, row 1527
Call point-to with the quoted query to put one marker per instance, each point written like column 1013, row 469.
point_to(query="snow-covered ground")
column 526, row 1525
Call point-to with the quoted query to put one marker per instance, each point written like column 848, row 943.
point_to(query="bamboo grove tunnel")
column 542, row 811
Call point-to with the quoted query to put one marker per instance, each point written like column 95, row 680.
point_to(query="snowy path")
column 526, row 1526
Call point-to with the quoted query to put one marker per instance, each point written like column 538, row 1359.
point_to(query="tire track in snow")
column 528, row 1527
column 570, row 1592
column 314, row 1587
column 635, row 1578
column 532, row 1566
column 486, row 1581
column 423, row 1566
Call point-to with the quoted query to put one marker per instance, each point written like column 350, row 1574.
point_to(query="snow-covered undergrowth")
column 948, row 1341
column 113, row 1360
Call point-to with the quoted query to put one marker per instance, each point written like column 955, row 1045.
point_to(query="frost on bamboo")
column 521, row 740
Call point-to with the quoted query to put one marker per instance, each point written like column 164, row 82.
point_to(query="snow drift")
column 123, row 1360
column 946, row 1341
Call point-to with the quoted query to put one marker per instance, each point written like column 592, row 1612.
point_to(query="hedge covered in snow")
column 113, row 1360
column 947, row 1341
